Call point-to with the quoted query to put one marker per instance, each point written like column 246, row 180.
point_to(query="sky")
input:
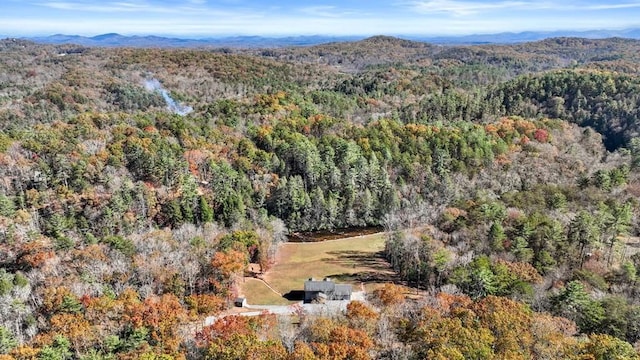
column 208, row 18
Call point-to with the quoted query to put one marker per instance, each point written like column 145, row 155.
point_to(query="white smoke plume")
column 172, row 105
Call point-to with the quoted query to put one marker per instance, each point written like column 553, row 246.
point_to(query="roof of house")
column 321, row 286
column 327, row 286
column 342, row 289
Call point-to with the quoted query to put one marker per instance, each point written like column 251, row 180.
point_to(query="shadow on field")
column 294, row 295
column 359, row 259
column 368, row 267
column 365, row 277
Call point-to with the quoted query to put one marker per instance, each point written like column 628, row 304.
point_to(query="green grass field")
column 356, row 260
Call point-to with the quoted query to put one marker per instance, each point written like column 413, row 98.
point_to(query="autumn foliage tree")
column 161, row 316
column 240, row 337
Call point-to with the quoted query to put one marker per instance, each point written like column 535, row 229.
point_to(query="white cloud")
column 462, row 8
column 194, row 6
column 466, row 7
column 614, row 6
column 102, row 7
column 326, row 11
column 330, row 11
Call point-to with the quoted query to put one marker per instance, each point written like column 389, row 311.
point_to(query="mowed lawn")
column 357, row 261
column 257, row 293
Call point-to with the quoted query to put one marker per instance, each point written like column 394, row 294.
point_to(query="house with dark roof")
column 325, row 290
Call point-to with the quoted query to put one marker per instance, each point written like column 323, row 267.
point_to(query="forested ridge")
column 506, row 178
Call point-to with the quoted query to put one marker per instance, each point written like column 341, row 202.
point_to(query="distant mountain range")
column 117, row 40
column 508, row 37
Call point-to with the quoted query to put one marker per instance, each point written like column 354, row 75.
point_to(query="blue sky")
column 203, row 18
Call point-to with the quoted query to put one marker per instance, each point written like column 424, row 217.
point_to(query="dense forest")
column 506, row 178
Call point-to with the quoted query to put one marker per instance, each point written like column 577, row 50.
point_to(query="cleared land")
column 257, row 292
column 357, row 260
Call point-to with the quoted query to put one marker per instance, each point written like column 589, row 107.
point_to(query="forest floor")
column 355, row 260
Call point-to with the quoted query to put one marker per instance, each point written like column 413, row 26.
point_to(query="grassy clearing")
column 257, row 292
column 355, row 260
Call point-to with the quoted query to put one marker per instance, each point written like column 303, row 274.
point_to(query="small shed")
column 319, row 290
column 240, row 302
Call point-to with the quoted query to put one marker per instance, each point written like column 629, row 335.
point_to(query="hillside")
column 137, row 184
